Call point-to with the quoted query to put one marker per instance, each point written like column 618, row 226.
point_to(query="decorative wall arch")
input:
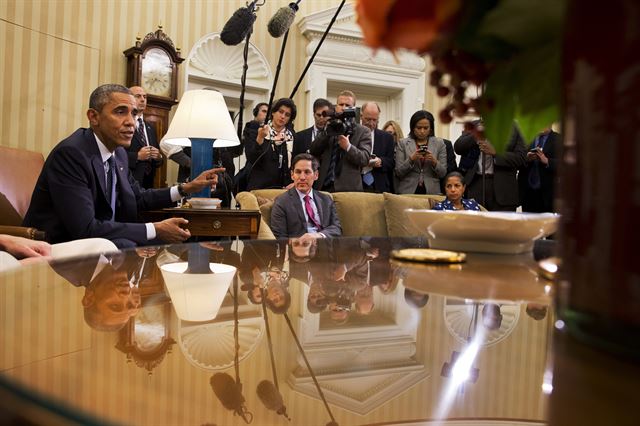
column 213, row 64
column 398, row 82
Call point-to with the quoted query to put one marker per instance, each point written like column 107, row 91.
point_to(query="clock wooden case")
column 152, row 63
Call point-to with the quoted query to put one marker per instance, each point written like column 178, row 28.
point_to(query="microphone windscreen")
column 282, row 20
column 238, row 26
column 227, row 391
column 269, row 395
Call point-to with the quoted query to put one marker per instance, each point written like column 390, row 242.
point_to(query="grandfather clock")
column 153, row 64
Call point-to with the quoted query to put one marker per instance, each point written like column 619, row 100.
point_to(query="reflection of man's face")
column 276, row 295
column 110, row 301
column 256, row 294
column 301, row 248
column 364, row 300
column 315, row 293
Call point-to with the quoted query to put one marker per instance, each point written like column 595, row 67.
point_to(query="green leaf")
column 498, row 124
column 532, row 123
column 526, row 88
column 525, row 23
column 537, row 77
column 498, row 121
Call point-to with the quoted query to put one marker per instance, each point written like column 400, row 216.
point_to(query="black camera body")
column 341, row 123
column 423, row 149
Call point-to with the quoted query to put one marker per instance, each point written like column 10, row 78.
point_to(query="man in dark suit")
column 378, row 175
column 144, row 152
column 537, row 179
column 500, row 185
column 342, row 157
column 85, row 188
column 302, row 140
column 301, row 211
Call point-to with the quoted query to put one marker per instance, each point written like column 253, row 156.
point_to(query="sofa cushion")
column 361, row 214
column 270, row 194
column 398, row 224
column 265, row 232
column 265, row 208
column 247, row 201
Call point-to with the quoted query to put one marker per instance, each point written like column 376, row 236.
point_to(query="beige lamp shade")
column 202, row 114
column 197, row 297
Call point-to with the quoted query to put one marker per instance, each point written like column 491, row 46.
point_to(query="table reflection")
column 345, row 334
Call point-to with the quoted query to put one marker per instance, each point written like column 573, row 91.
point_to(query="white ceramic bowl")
column 204, row 203
column 486, row 232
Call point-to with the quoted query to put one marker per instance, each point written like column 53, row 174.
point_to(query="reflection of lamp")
column 197, row 287
column 201, row 121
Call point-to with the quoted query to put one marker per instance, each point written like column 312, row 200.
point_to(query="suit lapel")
column 318, row 201
column 127, row 209
column 98, row 169
column 295, row 200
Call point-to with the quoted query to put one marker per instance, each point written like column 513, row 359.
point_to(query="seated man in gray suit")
column 301, row 211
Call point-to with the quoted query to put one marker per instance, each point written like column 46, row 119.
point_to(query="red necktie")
column 312, row 218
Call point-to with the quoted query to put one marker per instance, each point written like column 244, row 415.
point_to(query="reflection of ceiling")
column 458, row 319
column 211, row 346
column 361, row 392
column 361, row 365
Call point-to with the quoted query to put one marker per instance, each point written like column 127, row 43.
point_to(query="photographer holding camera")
column 421, row 160
column 343, row 149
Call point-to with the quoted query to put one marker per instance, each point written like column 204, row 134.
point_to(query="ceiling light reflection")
column 460, row 373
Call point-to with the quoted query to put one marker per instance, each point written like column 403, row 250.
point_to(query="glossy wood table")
column 214, row 222
column 146, row 337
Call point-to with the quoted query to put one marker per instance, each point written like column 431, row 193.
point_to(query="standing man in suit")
column 144, row 152
column 342, row 157
column 378, row 175
column 499, row 170
column 86, row 190
column 301, row 211
column 302, row 140
column 537, row 179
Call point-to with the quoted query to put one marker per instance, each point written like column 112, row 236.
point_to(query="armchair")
column 18, row 176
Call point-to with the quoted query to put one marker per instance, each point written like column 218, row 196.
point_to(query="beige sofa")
column 360, row 213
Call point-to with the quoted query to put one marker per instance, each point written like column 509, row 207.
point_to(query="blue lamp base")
column 201, row 160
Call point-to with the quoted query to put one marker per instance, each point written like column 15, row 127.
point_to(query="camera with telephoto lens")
column 341, row 123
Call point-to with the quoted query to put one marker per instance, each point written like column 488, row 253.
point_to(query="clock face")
column 157, row 72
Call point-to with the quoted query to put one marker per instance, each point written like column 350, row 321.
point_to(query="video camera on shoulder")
column 340, row 123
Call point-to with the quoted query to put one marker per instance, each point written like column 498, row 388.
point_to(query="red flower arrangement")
column 508, row 48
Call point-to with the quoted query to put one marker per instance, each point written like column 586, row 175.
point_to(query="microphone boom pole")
column 275, row 79
column 243, row 82
column 281, row 20
column 315, row 52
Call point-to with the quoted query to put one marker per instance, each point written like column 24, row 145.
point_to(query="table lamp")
column 202, row 121
column 197, row 287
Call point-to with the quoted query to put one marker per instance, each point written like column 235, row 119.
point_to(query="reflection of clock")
column 157, row 72
column 153, row 64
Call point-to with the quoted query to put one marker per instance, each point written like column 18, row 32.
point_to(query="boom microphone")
column 282, row 20
column 239, row 25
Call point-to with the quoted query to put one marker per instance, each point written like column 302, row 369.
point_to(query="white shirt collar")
column 302, row 194
column 104, row 151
